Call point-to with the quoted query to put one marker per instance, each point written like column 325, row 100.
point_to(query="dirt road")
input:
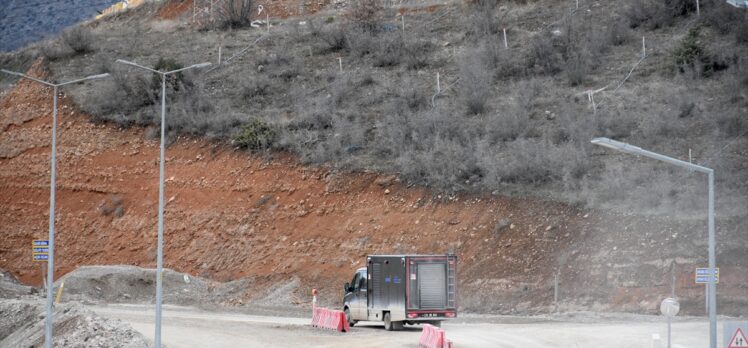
column 189, row 327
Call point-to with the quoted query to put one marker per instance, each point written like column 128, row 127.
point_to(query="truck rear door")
column 431, row 288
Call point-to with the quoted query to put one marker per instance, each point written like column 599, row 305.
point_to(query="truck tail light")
column 412, row 315
column 450, row 314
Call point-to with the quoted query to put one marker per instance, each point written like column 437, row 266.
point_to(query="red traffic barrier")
column 330, row 319
column 433, row 337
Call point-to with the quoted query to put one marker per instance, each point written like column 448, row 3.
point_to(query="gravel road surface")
column 189, row 327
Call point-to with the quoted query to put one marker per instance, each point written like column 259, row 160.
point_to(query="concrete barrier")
column 433, row 337
column 330, row 319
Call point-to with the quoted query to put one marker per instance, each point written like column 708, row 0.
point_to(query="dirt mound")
column 130, row 284
column 10, row 287
column 74, row 326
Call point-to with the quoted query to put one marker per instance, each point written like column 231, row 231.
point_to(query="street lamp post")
column 712, row 286
column 160, row 257
column 52, row 186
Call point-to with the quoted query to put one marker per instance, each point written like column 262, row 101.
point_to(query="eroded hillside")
column 267, row 218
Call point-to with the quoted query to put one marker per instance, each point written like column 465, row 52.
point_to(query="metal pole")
column 706, row 298
column 712, row 286
column 555, row 289
column 672, row 271
column 438, row 83
column 669, row 321
column 160, row 257
column 51, row 259
column 44, row 276
column 712, row 265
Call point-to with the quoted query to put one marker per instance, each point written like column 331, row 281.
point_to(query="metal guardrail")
column 738, row 3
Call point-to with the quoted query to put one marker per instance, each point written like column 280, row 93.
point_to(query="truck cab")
column 402, row 289
column 355, row 298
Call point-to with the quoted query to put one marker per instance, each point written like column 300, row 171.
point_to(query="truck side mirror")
column 346, row 287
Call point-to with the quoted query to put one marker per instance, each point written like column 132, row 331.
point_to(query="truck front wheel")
column 351, row 322
column 390, row 325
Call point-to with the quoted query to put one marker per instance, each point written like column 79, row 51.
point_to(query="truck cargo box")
column 404, row 289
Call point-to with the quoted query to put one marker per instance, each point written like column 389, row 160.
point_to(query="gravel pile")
column 10, row 287
column 131, row 284
column 74, row 326
column 23, row 315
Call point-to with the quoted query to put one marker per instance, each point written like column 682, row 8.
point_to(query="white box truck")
column 403, row 289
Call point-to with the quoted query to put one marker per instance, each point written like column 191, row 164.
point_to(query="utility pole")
column 52, row 188
column 160, row 256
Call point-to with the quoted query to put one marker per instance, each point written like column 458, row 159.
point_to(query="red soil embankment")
column 230, row 214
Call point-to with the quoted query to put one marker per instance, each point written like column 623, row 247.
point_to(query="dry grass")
column 510, row 120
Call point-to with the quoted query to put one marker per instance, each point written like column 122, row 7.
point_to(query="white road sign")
column 738, row 340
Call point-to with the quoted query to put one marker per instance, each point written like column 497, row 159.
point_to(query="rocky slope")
column 281, row 225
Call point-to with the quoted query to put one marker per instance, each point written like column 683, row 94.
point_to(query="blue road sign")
column 702, row 275
column 38, row 250
column 40, row 242
column 41, row 257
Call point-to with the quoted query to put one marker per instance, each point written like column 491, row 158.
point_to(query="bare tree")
column 235, row 13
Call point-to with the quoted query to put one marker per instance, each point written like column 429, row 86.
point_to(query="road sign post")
column 669, row 308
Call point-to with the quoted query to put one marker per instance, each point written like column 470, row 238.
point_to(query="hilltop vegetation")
column 508, row 120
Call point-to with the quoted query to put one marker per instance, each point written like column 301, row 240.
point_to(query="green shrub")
column 690, row 50
column 256, row 135
column 174, row 82
column 691, row 55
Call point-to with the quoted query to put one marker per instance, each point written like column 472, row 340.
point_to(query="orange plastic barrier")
column 433, row 337
column 330, row 319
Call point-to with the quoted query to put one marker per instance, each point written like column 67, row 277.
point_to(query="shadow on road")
column 379, row 326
